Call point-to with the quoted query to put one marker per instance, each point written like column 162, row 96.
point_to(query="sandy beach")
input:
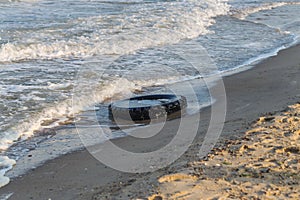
column 257, row 153
column 262, row 164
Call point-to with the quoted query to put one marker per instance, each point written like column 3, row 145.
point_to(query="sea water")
column 96, row 50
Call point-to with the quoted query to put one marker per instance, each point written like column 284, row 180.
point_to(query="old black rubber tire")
column 147, row 107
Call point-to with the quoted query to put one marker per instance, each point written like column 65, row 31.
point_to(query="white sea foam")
column 242, row 13
column 5, row 89
column 121, row 34
column 85, row 95
column 5, row 165
column 6, row 196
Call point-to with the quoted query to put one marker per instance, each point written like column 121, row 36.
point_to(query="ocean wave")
column 243, row 12
column 86, row 93
column 117, row 34
column 5, row 165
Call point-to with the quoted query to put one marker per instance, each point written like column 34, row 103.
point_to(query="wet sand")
column 270, row 86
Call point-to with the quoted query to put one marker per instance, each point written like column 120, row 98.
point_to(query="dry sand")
column 262, row 164
column 269, row 87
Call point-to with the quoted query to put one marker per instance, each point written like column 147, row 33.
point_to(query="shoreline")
column 56, row 132
column 258, row 92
